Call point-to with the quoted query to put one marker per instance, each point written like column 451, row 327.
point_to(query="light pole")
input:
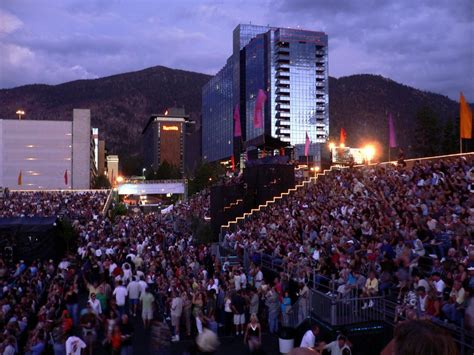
column 20, row 113
column 143, row 172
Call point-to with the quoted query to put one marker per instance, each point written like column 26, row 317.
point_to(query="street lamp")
column 119, row 179
column 143, row 172
column 20, row 113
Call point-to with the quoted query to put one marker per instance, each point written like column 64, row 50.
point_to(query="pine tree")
column 427, row 133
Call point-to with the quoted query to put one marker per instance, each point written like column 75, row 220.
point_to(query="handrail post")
column 333, row 311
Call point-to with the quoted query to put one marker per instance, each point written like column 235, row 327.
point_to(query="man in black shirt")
column 238, row 308
column 126, row 328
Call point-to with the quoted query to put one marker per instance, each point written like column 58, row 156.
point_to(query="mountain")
column 121, row 104
column 361, row 103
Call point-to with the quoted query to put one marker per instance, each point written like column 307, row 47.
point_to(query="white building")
column 37, row 155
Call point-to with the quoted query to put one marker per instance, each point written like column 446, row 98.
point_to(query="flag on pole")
column 391, row 132
column 237, row 128
column 20, row 179
column 65, row 177
column 343, row 136
column 306, row 145
column 258, row 114
column 465, row 114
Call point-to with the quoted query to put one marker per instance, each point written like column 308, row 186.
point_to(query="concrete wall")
column 41, row 150
column 81, row 148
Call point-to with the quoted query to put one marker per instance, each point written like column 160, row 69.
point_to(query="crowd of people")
column 400, row 231
column 397, row 230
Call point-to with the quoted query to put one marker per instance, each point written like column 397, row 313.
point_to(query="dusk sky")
column 427, row 44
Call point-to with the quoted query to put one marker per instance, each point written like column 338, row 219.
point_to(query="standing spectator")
column 371, row 289
column 253, row 334
column 133, row 290
column 238, row 308
column 339, row 347
column 74, row 345
column 147, row 300
column 273, row 305
column 126, row 330
column 176, row 312
column 120, row 293
column 95, row 305
column 309, row 338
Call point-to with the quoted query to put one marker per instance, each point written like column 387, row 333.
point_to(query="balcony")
column 282, row 114
column 320, row 92
column 320, row 53
column 282, row 82
column 283, row 58
column 320, row 77
column 283, row 98
column 283, row 123
column 282, row 90
column 283, row 66
column 281, row 49
column 284, row 131
column 283, row 74
column 283, row 107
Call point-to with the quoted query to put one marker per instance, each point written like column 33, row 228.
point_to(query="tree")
column 451, row 137
column 165, row 171
column 118, row 210
column 101, row 182
column 427, row 133
column 205, row 175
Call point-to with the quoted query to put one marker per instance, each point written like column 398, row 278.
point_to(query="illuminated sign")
column 170, row 128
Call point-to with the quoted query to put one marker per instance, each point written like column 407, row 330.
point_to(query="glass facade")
column 291, row 65
column 254, row 81
column 217, row 115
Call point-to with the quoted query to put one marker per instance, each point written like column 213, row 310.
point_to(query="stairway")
column 278, row 197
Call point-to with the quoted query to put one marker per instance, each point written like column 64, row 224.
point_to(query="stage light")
column 369, row 152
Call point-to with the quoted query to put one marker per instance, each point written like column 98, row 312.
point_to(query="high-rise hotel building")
column 291, row 66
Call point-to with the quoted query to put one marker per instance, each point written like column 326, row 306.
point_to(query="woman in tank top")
column 253, row 334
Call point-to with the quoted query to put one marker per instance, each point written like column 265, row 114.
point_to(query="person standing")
column 176, row 312
column 126, row 330
column 120, row 293
column 253, row 334
column 133, row 289
column 74, row 345
column 187, row 306
column 147, row 300
column 238, row 308
column 309, row 338
column 273, row 306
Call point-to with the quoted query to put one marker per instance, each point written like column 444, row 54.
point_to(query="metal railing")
column 108, row 202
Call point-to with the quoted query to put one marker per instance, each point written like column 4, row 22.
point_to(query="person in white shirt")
column 438, row 283
column 258, row 278
column 74, row 345
column 134, row 289
column 237, row 280
column 339, row 346
column 309, row 338
column 176, row 311
column 95, row 304
column 243, row 280
column 120, row 293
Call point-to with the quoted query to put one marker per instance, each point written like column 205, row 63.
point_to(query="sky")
column 427, row 44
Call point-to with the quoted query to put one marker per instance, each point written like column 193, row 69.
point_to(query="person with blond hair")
column 253, row 334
